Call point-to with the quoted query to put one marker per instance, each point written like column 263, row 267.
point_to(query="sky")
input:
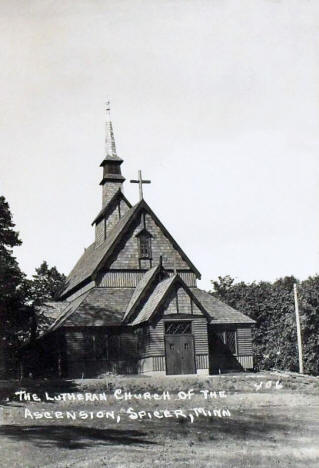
column 216, row 101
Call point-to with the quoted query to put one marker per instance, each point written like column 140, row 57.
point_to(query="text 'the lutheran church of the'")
column 131, row 304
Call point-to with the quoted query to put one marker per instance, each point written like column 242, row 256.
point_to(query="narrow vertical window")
column 145, row 245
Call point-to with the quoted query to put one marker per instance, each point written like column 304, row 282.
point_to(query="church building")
column 131, row 304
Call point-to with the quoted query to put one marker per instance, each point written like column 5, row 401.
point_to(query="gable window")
column 145, row 245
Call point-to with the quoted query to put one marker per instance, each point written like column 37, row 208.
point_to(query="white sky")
column 216, row 101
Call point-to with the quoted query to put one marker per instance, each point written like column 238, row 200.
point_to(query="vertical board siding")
column 247, row 362
column 130, row 279
column 121, row 279
column 159, row 363
column 202, row 361
column 189, row 278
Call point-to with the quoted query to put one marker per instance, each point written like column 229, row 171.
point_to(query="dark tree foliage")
column 272, row 306
column 46, row 284
column 15, row 317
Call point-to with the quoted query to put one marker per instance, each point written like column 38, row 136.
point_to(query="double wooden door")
column 180, row 356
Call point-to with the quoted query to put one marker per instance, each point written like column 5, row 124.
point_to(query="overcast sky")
column 216, row 101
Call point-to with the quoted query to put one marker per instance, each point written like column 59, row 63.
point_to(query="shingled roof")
column 94, row 256
column 219, row 311
column 140, row 289
column 159, row 294
column 97, row 307
column 154, row 300
column 104, row 210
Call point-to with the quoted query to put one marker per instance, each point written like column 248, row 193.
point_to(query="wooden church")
column 131, row 304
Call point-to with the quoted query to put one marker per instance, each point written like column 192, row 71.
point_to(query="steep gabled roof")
column 158, row 296
column 104, row 210
column 95, row 257
column 68, row 308
column 154, row 301
column 219, row 311
column 97, row 307
column 101, row 307
column 140, row 289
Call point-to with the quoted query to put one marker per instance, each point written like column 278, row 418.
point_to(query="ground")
column 264, row 420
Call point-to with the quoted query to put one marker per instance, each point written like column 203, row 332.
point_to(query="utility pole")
column 298, row 330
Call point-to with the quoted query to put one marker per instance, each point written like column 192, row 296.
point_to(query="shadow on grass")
column 248, row 427
column 53, row 387
column 72, row 437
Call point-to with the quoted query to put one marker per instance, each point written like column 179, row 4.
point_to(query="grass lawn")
column 264, row 424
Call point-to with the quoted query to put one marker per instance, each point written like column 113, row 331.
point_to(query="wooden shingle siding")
column 123, row 207
column 161, row 245
column 183, row 302
column 109, row 190
column 170, row 306
column 244, row 341
column 128, row 256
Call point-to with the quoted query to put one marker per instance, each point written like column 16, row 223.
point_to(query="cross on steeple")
column 140, row 182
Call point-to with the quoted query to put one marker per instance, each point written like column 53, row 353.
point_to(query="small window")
column 231, row 340
column 143, row 339
column 228, row 337
column 145, row 246
column 178, row 328
column 95, row 346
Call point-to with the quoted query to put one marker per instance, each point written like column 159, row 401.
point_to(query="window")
column 95, row 347
column 143, row 339
column 228, row 337
column 145, row 245
column 178, row 328
column 231, row 340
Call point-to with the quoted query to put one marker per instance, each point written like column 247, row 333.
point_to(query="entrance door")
column 180, row 358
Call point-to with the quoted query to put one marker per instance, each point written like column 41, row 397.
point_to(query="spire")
column 112, row 177
column 110, row 148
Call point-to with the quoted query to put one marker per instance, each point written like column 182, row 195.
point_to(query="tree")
column 15, row 316
column 272, row 306
column 46, row 284
column 309, row 308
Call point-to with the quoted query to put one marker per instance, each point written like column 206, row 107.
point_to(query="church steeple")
column 112, row 177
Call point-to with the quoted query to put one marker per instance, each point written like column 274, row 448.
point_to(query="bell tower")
column 112, row 177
